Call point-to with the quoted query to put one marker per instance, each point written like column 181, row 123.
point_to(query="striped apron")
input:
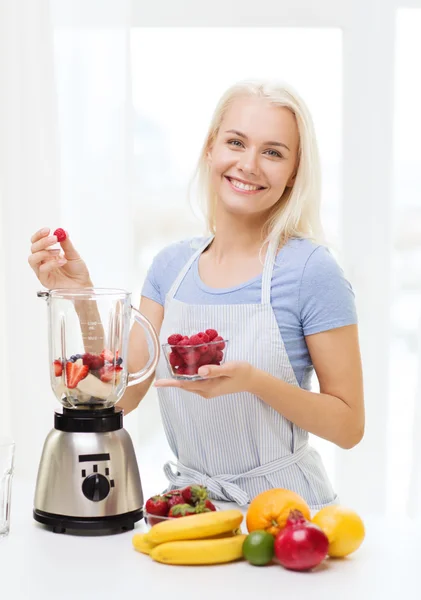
column 236, row 445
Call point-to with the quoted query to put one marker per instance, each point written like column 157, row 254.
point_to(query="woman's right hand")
column 56, row 269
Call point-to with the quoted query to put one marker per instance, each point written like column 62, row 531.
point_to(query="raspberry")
column 218, row 356
column 205, row 359
column 175, row 360
column 191, row 370
column 183, row 342
column 220, row 346
column 191, row 357
column 204, row 337
column 61, row 234
column 181, row 370
column 195, row 340
column 211, row 333
column 174, row 339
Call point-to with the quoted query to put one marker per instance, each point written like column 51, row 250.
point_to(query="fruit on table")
column 174, row 500
column 344, row 529
column 270, row 510
column 189, row 353
column 196, row 526
column 61, row 234
column 194, row 493
column 181, row 510
column 301, row 545
column 199, row 552
column 157, row 505
column 258, row 548
column 141, row 544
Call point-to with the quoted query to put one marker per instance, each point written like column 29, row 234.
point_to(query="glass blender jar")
column 89, row 332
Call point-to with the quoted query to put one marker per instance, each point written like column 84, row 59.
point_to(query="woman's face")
column 254, row 156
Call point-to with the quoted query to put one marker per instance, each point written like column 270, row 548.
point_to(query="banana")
column 200, row 552
column 195, row 526
column 141, row 544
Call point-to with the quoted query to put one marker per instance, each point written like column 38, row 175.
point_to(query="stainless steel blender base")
column 62, row 523
column 88, row 481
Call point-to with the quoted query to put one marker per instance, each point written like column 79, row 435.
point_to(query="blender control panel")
column 96, row 485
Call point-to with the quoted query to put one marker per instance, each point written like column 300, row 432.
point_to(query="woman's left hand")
column 230, row 378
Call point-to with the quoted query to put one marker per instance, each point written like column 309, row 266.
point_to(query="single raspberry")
column 61, row 234
column 181, row 370
column 220, row 346
column 204, row 337
column 211, row 333
column 175, row 360
column 191, row 357
column 218, row 355
column 174, row 339
column 195, row 340
column 180, row 346
column 205, row 359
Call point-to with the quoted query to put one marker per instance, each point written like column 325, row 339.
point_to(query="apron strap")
column 268, row 270
column 179, row 279
column 223, row 486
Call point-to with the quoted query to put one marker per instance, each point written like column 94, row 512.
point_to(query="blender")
column 88, row 477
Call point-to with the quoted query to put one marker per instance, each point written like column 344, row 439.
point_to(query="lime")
column 258, row 547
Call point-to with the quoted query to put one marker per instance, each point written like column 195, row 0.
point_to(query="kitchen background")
column 103, row 108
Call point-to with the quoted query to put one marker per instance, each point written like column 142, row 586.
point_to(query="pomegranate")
column 300, row 545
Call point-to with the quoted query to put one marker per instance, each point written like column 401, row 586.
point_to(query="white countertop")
column 38, row 564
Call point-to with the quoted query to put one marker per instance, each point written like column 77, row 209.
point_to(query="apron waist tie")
column 223, row 486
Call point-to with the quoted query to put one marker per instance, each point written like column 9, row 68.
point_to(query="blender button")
column 95, row 468
column 107, row 471
column 112, row 483
column 83, row 473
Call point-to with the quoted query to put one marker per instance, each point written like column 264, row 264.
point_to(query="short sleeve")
column 326, row 298
column 151, row 287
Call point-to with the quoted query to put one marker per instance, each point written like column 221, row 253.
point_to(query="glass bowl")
column 184, row 360
column 152, row 520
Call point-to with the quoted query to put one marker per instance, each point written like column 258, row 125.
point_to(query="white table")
column 37, row 564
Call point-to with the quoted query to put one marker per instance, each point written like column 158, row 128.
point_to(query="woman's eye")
column 235, row 143
column 274, row 153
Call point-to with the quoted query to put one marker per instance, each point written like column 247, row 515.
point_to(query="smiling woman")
column 263, row 281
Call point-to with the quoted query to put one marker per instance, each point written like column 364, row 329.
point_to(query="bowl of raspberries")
column 186, row 354
column 191, row 500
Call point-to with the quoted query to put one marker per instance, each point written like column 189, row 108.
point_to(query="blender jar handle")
column 139, row 376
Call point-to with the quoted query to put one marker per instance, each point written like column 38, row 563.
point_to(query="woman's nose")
column 248, row 162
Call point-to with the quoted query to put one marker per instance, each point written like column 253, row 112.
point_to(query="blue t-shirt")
column 309, row 293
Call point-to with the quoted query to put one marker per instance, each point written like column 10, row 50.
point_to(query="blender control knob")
column 96, row 487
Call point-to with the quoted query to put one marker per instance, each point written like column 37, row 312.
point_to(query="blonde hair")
column 297, row 212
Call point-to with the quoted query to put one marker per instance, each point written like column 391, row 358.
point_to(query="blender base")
column 111, row 524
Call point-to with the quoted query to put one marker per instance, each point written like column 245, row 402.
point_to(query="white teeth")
column 244, row 186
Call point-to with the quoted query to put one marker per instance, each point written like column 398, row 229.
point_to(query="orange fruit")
column 343, row 527
column 270, row 510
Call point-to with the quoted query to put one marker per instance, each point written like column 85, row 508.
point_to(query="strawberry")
column 211, row 333
column 193, row 494
column 175, row 360
column 75, row 372
column 210, row 505
column 181, row 510
column 110, row 373
column 107, row 355
column 172, row 493
column 175, row 499
column 93, row 361
column 61, row 234
column 58, row 368
column 174, row 339
column 157, row 505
